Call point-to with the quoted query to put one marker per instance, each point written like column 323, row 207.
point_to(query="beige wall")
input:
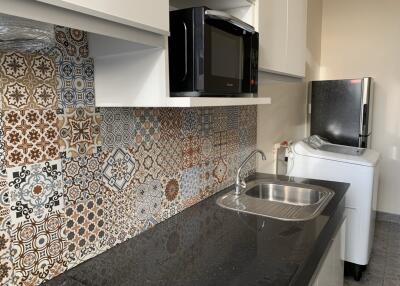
column 285, row 118
column 362, row 38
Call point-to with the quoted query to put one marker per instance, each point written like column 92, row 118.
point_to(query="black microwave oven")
column 211, row 53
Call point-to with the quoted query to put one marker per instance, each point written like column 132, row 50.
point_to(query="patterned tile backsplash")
column 30, row 136
column 35, row 190
column 76, row 180
column 27, row 81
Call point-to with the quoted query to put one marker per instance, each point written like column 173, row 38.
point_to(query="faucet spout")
column 239, row 182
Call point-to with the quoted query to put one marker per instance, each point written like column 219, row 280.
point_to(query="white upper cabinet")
column 149, row 15
column 272, row 26
column 282, row 27
column 296, row 37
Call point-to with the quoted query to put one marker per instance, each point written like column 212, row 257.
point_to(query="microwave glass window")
column 226, row 54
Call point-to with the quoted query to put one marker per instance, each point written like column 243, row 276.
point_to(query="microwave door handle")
column 186, row 51
column 365, row 106
column 214, row 14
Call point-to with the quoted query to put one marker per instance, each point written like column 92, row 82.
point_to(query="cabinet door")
column 150, row 15
column 272, row 26
column 297, row 33
column 282, row 26
column 332, row 270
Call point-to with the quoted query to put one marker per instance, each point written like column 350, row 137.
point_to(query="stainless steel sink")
column 281, row 200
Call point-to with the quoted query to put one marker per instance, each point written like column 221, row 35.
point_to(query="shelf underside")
column 212, row 4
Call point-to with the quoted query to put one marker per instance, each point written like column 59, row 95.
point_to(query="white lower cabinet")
column 330, row 272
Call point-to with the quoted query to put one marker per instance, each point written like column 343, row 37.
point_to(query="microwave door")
column 223, row 57
column 211, row 54
column 181, row 51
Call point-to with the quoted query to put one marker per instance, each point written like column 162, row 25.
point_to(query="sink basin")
column 285, row 194
column 280, row 200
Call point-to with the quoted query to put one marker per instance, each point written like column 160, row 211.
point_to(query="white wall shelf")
column 154, row 101
column 216, row 101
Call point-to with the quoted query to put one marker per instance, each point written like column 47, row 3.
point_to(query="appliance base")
column 355, row 270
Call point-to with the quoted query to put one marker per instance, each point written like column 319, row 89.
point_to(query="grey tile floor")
column 384, row 267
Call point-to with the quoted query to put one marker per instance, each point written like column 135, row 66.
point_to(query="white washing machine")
column 317, row 159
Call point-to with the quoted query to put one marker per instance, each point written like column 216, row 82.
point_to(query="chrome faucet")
column 241, row 184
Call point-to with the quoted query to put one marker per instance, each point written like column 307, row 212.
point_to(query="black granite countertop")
column 208, row 245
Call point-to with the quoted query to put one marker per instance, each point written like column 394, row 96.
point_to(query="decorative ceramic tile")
column 220, row 169
column 4, row 204
column 250, row 167
column 82, row 177
column 247, row 138
column 206, row 149
column 27, row 81
column 79, row 131
column 191, row 121
column 84, row 230
column 172, row 210
column 2, row 146
column 147, row 159
column 38, row 249
column 191, row 151
column 190, row 183
column 232, row 161
column 232, row 141
column 192, row 200
column 207, row 180
column 171, row 190
column 220, row 143
column 147, row 125
column 119, row 168
column 35, row 190
column 171, row 203
column 117, row 127
column 247, row 116
column 148, row 201
column 30, row 136
column 170, row 158
column 119, row 217
column 206, row 119
column 171, row 122
column 220, row 119
column 6, row 266
column 72, row 42
column 75, row 83
column 233, row 117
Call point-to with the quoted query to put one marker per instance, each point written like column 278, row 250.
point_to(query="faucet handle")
column 243, row 184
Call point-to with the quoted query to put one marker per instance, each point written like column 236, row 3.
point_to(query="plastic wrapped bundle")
column 24, row 34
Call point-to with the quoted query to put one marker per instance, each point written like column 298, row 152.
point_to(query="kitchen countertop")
column 208, row 245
